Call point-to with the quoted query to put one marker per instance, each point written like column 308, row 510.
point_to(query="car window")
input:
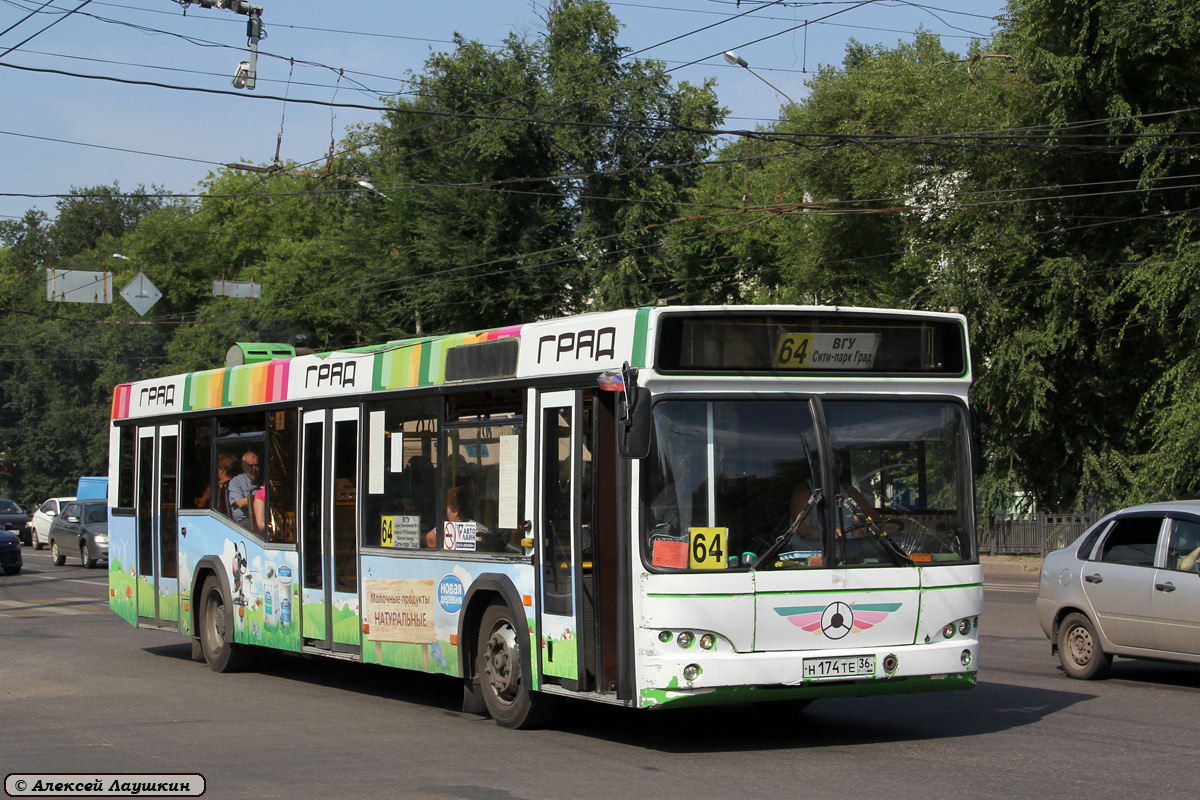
column 95, row 512
column 1089, row 542
column 47, row 507
column 1132, row 540
column 71, row 510
column 9, row 507
column 1182, row 547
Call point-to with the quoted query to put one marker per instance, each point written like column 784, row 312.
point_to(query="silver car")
column 1127, row 587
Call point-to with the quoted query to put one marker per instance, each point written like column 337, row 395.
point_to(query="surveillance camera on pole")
column 247, row 71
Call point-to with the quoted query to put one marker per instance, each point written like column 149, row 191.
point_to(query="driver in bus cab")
column 846, row 519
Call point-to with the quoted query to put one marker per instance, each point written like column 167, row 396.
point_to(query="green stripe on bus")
column 640, row 324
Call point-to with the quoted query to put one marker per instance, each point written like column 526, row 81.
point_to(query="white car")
column 43, row 517
column 1127, row 587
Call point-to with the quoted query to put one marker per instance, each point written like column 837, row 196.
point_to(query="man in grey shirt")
column 242, row 488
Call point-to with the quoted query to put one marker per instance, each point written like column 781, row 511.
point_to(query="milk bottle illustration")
column 270, row 596
column 284, row 603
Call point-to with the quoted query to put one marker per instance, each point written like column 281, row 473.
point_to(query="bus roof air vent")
column 254, row 352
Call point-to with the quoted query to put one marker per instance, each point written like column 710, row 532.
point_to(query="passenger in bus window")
column 226, row 469
column 458, row 509
column 242, row 488
column 258, row 515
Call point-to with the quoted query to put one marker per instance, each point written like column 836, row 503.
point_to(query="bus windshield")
column 745, row 476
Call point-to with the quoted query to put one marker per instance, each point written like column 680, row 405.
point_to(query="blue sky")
column 67, row 130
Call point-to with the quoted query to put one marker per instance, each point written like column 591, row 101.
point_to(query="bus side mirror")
column 633, row 425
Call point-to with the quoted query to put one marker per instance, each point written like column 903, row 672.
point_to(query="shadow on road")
column 989, row 708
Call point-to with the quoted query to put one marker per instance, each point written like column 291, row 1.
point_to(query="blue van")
column 92, row 488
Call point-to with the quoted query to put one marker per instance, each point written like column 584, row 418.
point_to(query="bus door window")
column 557, row 561
column 311, row 503
column 168, row 523
column 345, row 505
column 145, row 503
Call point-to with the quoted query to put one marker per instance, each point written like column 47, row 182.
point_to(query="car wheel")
column 57, row 558
column 216, row 617
column 37, row 542
column 1079, row 648
column 86, row 557
column 500, row 664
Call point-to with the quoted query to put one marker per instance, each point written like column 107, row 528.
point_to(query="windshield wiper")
column 786, row 536
column 891, row 548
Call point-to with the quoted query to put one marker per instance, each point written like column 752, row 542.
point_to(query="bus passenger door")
column 330, row 618
column 575, row 536
column 157, row 578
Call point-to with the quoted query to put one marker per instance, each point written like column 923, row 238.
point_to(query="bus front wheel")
column 215, row 618
column 500, row 664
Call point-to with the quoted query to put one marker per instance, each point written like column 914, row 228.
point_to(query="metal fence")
column 1038, row 534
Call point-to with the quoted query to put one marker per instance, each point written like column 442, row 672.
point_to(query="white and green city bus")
column 656, row 507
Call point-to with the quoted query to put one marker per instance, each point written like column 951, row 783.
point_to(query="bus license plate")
column 816, row 669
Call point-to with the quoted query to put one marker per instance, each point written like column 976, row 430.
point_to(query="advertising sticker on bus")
column 826, row 351
column 460, row 536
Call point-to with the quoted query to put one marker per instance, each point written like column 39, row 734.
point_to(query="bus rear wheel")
column 216, row 616
column 500, row 665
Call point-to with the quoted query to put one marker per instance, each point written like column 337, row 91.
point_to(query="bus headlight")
column 691, row 672
column 964, row 626
column 664, row 636
column 707, row 641
column 685, row 639
column 948, row 631
column 966, row 658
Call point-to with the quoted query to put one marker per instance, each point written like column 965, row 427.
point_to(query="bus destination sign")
column 826, row 351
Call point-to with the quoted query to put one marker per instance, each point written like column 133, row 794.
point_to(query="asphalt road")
column 83, row 692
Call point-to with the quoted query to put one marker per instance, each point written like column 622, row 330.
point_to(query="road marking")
column 103, row 582
column 20, row 609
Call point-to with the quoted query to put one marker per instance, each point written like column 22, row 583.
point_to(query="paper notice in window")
column 669, row 553
column 510, row 454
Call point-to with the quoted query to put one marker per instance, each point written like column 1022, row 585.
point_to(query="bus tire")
column 500, row 662
column 1079, row 648
column 215, row 617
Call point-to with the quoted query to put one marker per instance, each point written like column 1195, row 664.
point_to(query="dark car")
column 81, row 527
column 10, row 553
column 16, row 519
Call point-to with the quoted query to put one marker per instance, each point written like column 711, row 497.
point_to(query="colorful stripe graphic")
column 866, row 615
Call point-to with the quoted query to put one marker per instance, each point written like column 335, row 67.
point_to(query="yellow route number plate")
column 706, row 548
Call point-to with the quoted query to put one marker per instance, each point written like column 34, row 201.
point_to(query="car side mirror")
column 71, row 519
